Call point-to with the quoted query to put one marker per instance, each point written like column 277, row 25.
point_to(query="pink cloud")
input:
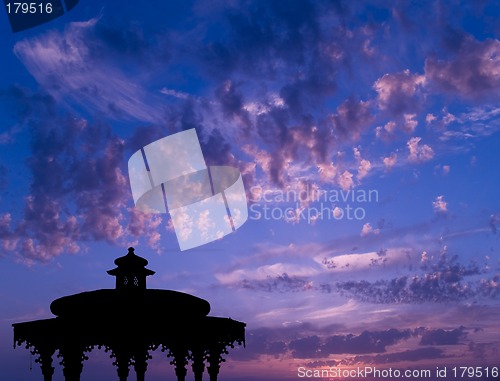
column 345, row 180
column 397, row 92
column 327, row 172
column 386, row 131
column 364, row 168
column 390, row 161
column 410, row 124
column 368, row 229
column 440, row 206
column 419, row 153
column 364, row 165
column 429, row 118
column 78, row 193
column 472, row 73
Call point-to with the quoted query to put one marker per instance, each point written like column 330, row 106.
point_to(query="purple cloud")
column 351, row 119
column 444, row 283
column 366, row 342
column 409, row 355
column 443, row 337
column 399, row 92
column 372, row 347
column 471, row 73
column 77, row 192
column 307, row 347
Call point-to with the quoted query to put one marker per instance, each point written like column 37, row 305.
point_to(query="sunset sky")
column 367, row 135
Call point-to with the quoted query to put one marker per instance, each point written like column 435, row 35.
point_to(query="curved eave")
column 130, row 270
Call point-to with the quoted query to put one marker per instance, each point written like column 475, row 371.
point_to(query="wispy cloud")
column 70, row 67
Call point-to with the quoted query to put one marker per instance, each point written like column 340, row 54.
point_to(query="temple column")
column 122, row 365
column 198, row 365
column 141, row 365
column 214, row 359
column 72, row 363
column 180, row 356
column 45, row 361
column 122, row 357
column 213, row 371
column 180, row 361
column 180, row 372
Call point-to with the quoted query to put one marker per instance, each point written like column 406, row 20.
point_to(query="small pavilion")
column 130, row 322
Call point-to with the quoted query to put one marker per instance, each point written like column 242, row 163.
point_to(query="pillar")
column 141, row 364
column 45, row 361
column 180, row 356
column 122, row 363
column 72, row 363
column 198, row 365
column 214, row 359
column 180, row 362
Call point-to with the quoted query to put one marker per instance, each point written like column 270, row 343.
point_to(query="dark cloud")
column 280, row 55
column 78, row 191
column 472, row 72
column 443, row 337
column 126, row 42
column 216, row 149
column 388, row 358
column 306, row 341
column 187, row 115
column 22, row 105
column 308, row 141
column 3, row 176
column 272, row 127
column 231, row 101
column 441, row 282
column 453, row 38
column 288, row 59
column 131, row 43
column 281, row 283
column 230, row 97
column 146, row 134
column 321, row 364
column 366, row 342
column 293, row 62
column 274, row 341
column 351, row 119
column 484, row 350
column 490, row 287
column 78, row 188
column 262, row 35
column 494, row 223
column 301, row 94
column 307, row 347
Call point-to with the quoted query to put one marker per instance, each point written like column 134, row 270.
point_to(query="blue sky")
column 321, row 100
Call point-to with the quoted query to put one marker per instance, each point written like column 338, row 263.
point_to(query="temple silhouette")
column 130, row 322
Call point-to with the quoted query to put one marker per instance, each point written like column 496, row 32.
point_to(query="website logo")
column 205, row 203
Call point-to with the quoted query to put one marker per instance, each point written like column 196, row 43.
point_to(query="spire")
column 131, row 272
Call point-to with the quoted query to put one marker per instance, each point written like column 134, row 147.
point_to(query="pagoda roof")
column 130, row 263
